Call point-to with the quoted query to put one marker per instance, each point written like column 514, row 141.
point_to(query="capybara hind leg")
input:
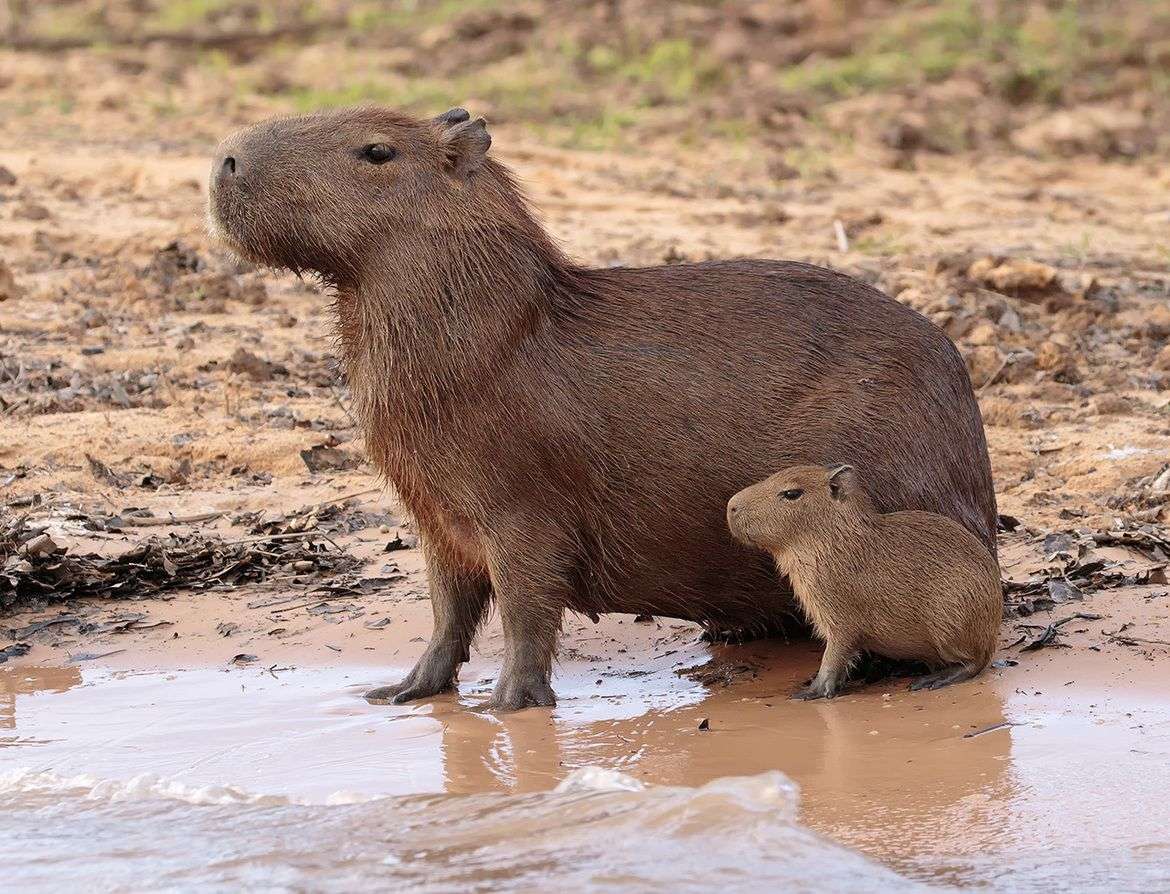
column 946, row 676
column 459, row 601
column 833, row 673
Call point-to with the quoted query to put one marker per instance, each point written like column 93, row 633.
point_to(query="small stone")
column 1055, row 356
column 1015, row 276
column 1162, row 360
column 983, row 333
column 984, row 363
column 92, row 319
column 31, row 211
column 1113, row 405
column 9, row 290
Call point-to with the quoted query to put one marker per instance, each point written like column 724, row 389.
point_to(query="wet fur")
column 907, row 585
column 567, row 438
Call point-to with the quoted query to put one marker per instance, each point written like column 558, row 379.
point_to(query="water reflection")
column 877, row 767
column 15, row 681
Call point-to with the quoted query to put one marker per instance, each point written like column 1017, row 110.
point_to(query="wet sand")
column 990, row 783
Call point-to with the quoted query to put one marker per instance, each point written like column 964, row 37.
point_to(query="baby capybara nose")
column 733, row 507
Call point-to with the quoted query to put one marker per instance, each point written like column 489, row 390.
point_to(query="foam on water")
column 27, row 784
column 599, row 830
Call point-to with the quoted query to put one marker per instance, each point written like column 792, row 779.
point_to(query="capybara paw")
column 406, row 691
column 384, row 695
column 938, row 680
column 815, row 690
column 516, row 694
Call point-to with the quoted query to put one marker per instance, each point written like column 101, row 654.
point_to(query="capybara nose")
column 228, row 166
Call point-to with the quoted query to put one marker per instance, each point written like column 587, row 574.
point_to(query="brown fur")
column 909, row 585
column 567, row 438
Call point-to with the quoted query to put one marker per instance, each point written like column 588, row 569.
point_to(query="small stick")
column 988, row 729
column 290, row 536
column 362, row 493
column 842, row 237
column 136, row 522
column 1133, row 640
column 341, row 403
column 991, row 380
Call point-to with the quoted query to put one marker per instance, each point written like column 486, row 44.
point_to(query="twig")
column 1135, row 640
column 294, row 535
column 341, row 403
column 133, row 521
column 988, row 729
column 991, row 380
column 842, row 237
column 362, row 493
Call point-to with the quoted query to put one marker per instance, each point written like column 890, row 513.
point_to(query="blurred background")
column 941, row 77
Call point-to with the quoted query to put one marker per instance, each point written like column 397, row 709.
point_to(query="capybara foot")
column 944, row 677
column 515, row 692
column 404, row 692
column 817, row 689
column 434, row 673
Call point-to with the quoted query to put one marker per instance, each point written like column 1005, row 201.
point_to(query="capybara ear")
column 466, row 145
column 842, row 480
column 453, row 116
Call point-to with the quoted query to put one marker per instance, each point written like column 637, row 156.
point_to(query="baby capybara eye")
column 378, row 153
column 795, row 494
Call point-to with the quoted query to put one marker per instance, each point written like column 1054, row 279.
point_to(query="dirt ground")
column 153, row 386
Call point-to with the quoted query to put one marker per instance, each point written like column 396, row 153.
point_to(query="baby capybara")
column 908, row 585
column 568, row 437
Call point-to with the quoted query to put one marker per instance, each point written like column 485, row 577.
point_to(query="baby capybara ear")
column 842, row 481
column 465, row 143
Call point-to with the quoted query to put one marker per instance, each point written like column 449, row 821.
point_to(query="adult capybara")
column 910, row 585
column 565, row 437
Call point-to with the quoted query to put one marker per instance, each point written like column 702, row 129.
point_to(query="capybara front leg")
column 531, row 604
column 833, row 673
column 459, row 601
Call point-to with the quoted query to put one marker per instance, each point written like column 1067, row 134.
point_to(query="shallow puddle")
column 287, row 779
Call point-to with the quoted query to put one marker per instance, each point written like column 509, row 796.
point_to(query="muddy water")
column 1052, row 775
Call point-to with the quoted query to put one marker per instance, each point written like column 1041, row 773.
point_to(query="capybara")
column 568, row 437
column 909, row 585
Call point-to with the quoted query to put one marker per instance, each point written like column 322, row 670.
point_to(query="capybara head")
column 798, row 500
column 322, row 192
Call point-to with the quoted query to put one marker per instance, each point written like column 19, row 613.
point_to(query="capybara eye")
column 379, row 153
column 794, row 494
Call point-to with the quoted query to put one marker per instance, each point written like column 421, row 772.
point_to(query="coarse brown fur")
column 566, row 437
column 907, row 585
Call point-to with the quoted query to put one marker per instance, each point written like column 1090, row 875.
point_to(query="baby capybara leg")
column 459, row 601
column 834, row 670
column 955, row 673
